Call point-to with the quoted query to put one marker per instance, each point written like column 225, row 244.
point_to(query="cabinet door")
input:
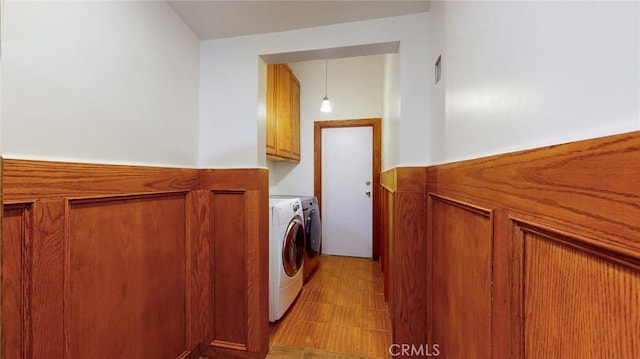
column 295, row 118
column 283, row 111
column 270, row 103
column 283, row 114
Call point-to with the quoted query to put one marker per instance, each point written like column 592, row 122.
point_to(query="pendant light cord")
column 326, row 104
column 326, row 74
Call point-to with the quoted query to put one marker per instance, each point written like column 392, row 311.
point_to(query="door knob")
column 368, row 193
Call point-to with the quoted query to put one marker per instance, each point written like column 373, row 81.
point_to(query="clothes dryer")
column 286, row 254
column 313, row 234
column 313, row 231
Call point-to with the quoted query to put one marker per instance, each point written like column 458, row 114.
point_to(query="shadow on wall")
column 279, row 171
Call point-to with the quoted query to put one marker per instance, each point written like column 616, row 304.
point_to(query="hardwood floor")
column 340, row 313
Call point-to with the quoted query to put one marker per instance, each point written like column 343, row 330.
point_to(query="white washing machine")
column 286, row 254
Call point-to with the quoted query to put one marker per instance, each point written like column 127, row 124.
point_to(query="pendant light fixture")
column 326, row 104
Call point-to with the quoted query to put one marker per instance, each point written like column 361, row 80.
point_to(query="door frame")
column 375, row 124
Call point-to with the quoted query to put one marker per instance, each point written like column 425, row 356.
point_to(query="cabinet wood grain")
column 283, row 114
column 295, row 118
column 270, row 103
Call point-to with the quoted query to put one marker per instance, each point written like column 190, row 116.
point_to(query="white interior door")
column 347, row 191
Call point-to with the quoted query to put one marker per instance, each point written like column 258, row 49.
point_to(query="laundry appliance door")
column 293, row 247
column 313, row 233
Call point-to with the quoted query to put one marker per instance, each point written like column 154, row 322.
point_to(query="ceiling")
column 213, row 19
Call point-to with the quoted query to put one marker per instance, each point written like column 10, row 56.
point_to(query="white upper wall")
column 117, row 82
column 99, row 81
column 391, row 111
column 1, row 26
column 355, row 90
column 229, row 88
column 519, row 75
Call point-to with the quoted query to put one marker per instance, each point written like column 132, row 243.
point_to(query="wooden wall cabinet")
column 283, row 114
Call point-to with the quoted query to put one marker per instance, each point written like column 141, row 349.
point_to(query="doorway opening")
column 342, row 308
column 374, row 123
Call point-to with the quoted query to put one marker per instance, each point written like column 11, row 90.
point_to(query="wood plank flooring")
column 340, row 313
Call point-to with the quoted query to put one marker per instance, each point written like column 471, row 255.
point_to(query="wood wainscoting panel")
column 238, row 240
column 386, row 226
column 387, row 223
column 199, row 273
column 409, row 266
column 588, row 187
column 118, row 261
column 229, row 270
column 577, row 302
column 16, row 282
column 28, row 180
column 474, row 297
column 586, row 195
column 405, row 209
column 125, row 270
column 234, row 179
column 47, row 292
column 257, row 225
column 462, row 237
